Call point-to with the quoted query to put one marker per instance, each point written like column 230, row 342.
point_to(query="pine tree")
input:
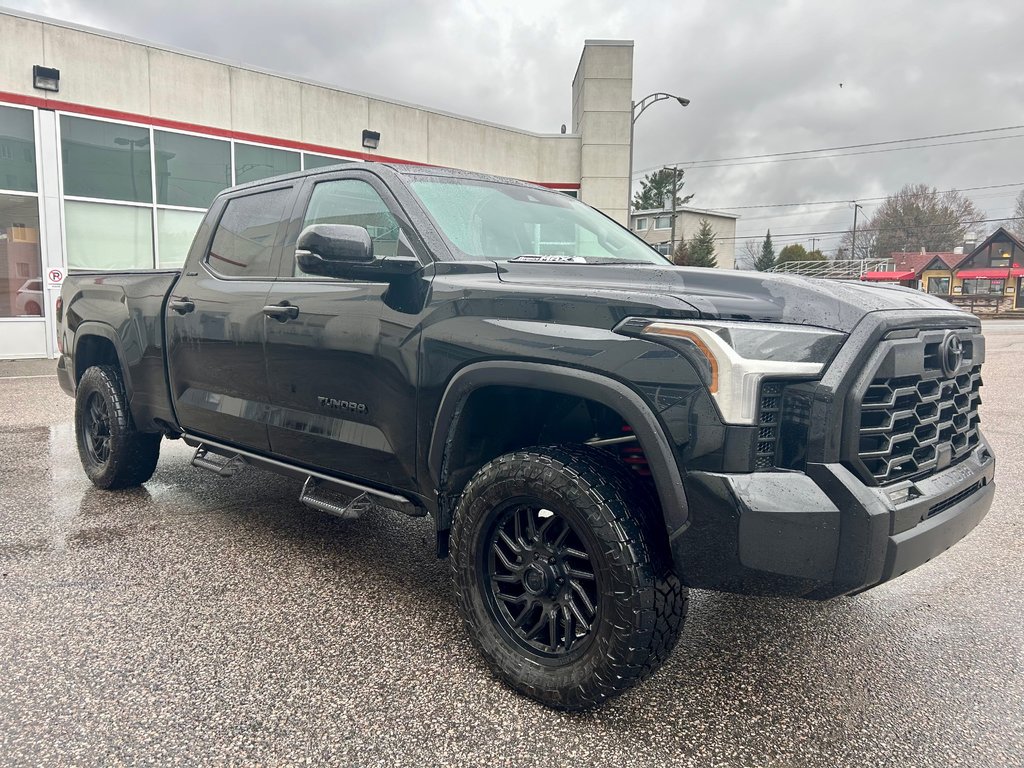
column 767, row 258
column 656, row 190
column 681, row 257
column 702, row 246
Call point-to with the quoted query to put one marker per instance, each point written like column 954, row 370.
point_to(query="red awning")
column 889, row 277
column 993, row 273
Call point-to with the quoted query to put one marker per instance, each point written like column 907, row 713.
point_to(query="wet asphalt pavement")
column 209, row 621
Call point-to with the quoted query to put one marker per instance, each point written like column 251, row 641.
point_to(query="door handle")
column 182, row 306
column 282, row 312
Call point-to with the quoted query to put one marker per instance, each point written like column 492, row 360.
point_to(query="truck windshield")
column 506, row 222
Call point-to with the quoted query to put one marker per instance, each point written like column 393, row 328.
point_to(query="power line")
column 858, row 199
column 825, row 213
column 873, row 229
column 845, row 147
column 844, row 154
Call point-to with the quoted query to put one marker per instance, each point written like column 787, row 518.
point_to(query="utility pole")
column 853, row 246
column 814, row 240
column 675, row 181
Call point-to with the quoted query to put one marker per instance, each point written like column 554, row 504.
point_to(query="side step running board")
column 225, row 466
column 320, row 491
column 318, row 497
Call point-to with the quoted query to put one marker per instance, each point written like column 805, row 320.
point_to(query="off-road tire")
column 642, row 602
column 131, row 455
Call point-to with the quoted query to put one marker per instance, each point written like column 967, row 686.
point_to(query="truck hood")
column 732, row 294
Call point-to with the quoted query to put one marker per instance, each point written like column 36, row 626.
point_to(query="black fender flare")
column 96, row 328
column 569, row 381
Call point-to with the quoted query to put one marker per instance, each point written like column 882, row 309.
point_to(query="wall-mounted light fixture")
column 45, row 78
column 371, row 139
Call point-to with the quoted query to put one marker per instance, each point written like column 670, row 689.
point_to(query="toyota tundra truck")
column 591, row 429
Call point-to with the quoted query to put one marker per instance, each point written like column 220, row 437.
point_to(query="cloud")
column 762, row 77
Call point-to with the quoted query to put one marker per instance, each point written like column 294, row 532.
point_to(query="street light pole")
column 636, row 109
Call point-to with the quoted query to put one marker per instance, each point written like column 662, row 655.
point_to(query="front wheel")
column 560, row 579
column 114, row 453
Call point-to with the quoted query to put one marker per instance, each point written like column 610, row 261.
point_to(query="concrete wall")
column 602, row 111
column 101, row 70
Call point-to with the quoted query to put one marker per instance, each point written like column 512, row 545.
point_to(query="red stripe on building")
column 41, row 102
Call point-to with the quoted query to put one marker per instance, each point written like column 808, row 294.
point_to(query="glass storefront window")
column 190, row 170
column 101, row 236
column 21, row 284
column 17, row 150
column 321, row 161
column 982, row 286
column 175, row 231
column 105, row 160
column 939, row 286
column 253, row 163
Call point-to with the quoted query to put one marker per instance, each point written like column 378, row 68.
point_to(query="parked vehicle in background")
column 29, row 298
column 591, row 429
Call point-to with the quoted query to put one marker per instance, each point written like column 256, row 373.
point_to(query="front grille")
column 914, row 424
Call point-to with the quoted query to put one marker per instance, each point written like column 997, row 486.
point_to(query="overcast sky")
column 762, row 76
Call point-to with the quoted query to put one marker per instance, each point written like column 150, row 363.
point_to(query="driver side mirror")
column 322, row 248
column 346, row 250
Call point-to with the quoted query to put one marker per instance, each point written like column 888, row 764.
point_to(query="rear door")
column 340, row 374
column 214, row 319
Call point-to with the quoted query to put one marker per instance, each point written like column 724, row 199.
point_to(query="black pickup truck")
column 592, row 429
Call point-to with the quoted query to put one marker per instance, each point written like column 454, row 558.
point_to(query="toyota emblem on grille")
column 952, row 354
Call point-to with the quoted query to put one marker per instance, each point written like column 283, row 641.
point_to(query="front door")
column 215, row 319
column 342, row 387
column 1019, row 300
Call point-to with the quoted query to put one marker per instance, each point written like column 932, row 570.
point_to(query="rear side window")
column 243, row 245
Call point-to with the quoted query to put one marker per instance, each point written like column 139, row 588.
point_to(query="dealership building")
column 111, row 150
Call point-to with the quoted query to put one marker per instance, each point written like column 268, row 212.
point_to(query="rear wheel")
column 561, row 582
column 114, row 453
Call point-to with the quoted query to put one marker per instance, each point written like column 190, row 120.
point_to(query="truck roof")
column 403, row 169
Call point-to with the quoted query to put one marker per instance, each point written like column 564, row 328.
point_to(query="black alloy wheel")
column 114, row 453
column 562, row 573
column 96, row 433
column 542, row 582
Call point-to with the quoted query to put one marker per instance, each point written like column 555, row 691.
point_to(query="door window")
column 243, row 245
column 348, row 201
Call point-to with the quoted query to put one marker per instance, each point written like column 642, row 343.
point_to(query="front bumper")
column 824, row 533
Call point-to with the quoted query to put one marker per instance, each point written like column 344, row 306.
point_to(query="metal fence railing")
column 848, row 269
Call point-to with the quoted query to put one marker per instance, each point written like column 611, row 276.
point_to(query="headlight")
column 734, row 357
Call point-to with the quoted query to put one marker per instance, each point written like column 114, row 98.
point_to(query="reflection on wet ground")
column 213, row 620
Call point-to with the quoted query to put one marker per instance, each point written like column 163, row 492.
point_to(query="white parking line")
column 34, row 376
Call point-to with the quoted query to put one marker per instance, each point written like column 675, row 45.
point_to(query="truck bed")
column 128, row 309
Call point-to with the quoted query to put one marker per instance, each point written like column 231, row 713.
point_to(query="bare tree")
column 918, row 216
column 1016, row 225
column 751, row 250
column 866, row 240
